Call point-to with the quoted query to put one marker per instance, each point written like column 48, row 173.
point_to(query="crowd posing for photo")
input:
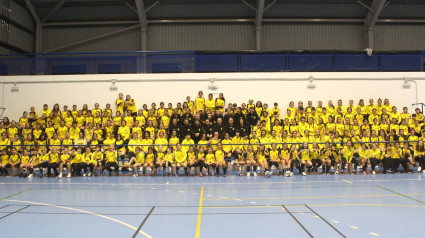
column 209, row 135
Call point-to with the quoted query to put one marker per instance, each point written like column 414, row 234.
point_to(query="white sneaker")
column 287, row 173
column 419, row 168
column 255, row 174
column 89, row 174
column 69, row 175
column 373, row 172
column 304, row 174
column 30, row 176
column 423, row 171
column 134, row 175
column 268, row 174
column 130, row 169
column 84, row 175
column 291, row 174
column 377, row 167
column 248, row 174
column 60, row 175
column 336, row 172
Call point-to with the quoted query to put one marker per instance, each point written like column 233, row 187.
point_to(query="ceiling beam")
column 140, row 6
column 93, row 38
column 32, row 11
column 241, row 20
column 258, row 23
column 38, row 27
column 54, row 9
column 370, row 21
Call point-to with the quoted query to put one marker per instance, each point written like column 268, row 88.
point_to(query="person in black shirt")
column 243, row 128
column 208, row 129
column 252, row 117
column 231, row 128
column 227, row 116
column 174, row 126
column 198, row 131
column 176, row 116
column 187, row 116
column 219, row 127
column 237, row 116
column 185, row 129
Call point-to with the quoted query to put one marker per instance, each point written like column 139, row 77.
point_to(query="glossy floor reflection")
column 311, row 206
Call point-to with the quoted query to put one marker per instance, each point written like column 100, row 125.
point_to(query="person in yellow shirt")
column 25, row 164
column 65, row 161
column 364, row 155
column 210, row 103
column 4, row 165
column 54, row 160
column 180, row 157
column 149, row 161
column 407, row 158
column 76, row 162
column 220, row 161
column 124, row 131
column 14, row 161
column 251, row 160
column 192, row 159
column 274, row 159
column 375, row 157
column 304, row 153
column 111, row 157
column 169, row 163
column 200, row 102
column 160, row 161
column 348, row 157
column 419, row 155
column 210, row 160
column 137, row 160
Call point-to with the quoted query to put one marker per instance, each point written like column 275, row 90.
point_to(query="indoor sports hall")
column 212, row 118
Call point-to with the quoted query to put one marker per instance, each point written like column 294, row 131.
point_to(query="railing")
column 198, row 61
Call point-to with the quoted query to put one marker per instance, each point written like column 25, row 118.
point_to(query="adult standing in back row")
column 130, row 105
column 120, row 103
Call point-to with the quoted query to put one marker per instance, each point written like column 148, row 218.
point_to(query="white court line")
column 347, row 181
column 354, row 227
column 190, row 184
column 238, row 200
column 86, row 212
column 374, row 234
column 335, row 221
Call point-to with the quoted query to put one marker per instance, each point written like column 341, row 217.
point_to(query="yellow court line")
column 198, row 224
column 340, row 196
column 86, row 212
column 323, row 205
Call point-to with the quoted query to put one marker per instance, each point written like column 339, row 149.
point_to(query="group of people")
column 207, row 136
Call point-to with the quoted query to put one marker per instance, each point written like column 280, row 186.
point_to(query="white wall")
column 237, row 87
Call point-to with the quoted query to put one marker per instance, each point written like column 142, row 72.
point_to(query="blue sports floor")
column 391, row 205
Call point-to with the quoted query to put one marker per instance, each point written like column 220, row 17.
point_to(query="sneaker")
column 304, row 174
column 364, row 172
column 69, row 175
column 89, row 174
column 373, row 172
column 267, row 174
column 287, row 173
column 291, row 174
column 336, row 172
column 377, row 167
column 60, row 175
column 419, row 168
column 30, row 176
column 255, row 174
column 248, row 174
column 224, row 175
column 423, row 171
column 200, row 175
column 134, row 175
column 409, row 172
column 84, row 175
